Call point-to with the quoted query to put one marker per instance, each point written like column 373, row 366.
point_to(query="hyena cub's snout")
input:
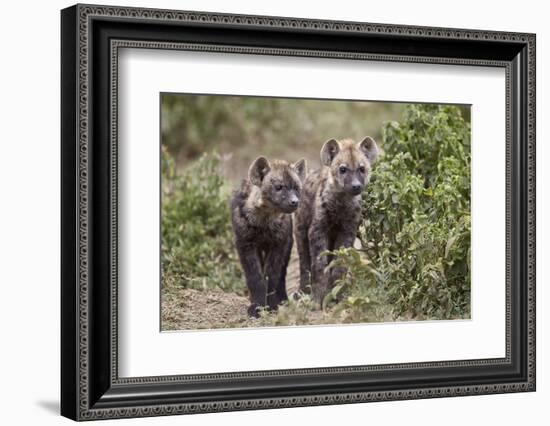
column 290, row 201
column 261, row 213
column 355, row 180
column 294, row 201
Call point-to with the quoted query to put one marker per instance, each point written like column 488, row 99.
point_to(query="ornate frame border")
column 118, row 44
column 85, row 14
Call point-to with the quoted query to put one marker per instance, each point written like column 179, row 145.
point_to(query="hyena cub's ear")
column 258, row 170
column 329, row 150
column 369, row 148
column 300, row 168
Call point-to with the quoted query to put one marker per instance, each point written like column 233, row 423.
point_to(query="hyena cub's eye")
column 278, row 187
column 362, row 169
column 343, row 169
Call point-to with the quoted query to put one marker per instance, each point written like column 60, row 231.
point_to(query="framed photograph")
column 263, row 212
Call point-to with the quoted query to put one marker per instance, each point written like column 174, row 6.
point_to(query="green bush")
column 416, row 228
column 357, row 297
column 197, row 241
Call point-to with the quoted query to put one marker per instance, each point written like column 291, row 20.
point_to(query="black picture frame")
column 90, row 386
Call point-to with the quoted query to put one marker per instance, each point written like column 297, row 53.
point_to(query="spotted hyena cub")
column 330, row 211
column 262, row 221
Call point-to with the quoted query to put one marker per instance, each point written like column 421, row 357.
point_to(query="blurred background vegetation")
column 241, row 128
column 411, row 260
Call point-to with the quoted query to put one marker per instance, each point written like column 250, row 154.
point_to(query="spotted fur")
column 330, row 211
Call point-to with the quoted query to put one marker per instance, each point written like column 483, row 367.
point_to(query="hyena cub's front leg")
column 302, row 245
column 318, row 244
column 255, row 281
column 275, row 272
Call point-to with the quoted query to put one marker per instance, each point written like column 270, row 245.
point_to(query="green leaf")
column 450, row 243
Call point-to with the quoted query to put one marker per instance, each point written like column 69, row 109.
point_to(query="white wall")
column 29, row 211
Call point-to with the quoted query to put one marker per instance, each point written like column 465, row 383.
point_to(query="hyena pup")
column 330, row 211
column 261, row 212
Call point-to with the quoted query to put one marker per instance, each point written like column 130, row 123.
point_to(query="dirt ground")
column 188, row 309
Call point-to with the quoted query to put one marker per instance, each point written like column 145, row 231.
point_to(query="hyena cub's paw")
column 254, row 311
